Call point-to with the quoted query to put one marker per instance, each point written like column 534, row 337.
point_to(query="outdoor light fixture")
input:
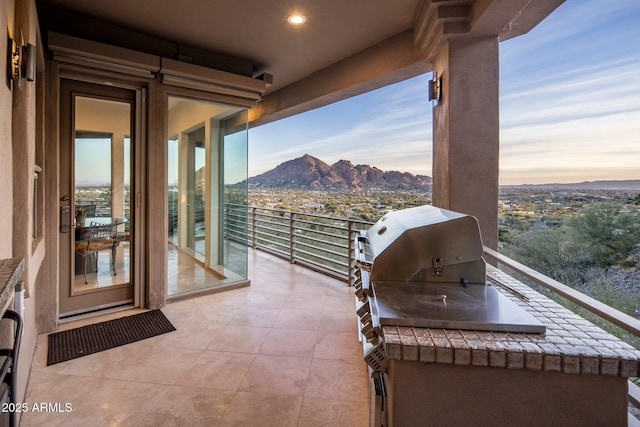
column 296, row 19
column 435, row 88
column 22, row 61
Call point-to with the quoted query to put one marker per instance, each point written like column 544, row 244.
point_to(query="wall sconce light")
column 22, row 60
column 435, row 88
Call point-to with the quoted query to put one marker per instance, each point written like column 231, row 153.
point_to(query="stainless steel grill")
column 423, row 267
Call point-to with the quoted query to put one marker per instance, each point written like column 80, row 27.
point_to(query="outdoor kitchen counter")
column 573, row 375
column 10, row 271
column 571, row 344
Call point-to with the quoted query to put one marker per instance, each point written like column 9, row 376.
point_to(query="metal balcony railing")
column 324, row 244
column 318, row 242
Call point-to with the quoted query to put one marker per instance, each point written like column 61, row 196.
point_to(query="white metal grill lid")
column 426, row 243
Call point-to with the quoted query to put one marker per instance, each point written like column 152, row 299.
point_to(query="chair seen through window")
column 100, row 237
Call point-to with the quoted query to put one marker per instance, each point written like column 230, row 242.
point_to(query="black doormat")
column 74, row 343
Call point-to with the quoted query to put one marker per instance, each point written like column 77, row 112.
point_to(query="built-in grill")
column 423, row 267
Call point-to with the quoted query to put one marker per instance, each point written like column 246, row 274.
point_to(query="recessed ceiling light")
column 296, row 19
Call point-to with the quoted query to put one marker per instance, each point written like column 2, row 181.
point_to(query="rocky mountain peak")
column 309, row 172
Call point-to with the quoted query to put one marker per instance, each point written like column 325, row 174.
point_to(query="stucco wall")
column 7, row 12
column 17, row 165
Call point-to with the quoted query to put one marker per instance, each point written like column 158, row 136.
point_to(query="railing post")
column 292, row 248
column 350, row 255
column 225, row 220
column 254, row 233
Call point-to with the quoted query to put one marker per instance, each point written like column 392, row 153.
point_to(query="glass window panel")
column 102, row 179
column 235, row 193
column 204, row 153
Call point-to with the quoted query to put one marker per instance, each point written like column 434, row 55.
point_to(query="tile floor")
column 283, row 352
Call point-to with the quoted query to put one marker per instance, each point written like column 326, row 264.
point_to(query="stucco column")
column 466, row 132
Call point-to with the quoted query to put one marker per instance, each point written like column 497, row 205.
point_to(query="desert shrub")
column 608, row 232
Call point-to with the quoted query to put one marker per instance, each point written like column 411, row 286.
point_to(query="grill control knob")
column 369, row 332
column 361, row 294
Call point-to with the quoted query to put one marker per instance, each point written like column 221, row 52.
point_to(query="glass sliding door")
column 235, row 193
column 205, row 141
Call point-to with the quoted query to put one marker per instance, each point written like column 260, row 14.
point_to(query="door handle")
column 65, row 219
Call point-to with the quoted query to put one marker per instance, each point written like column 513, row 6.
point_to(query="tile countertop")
column 10, row 272
column 571, row 344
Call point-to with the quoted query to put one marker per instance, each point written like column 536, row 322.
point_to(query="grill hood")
column 425, row 244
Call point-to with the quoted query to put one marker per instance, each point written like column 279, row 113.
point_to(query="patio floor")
column 283, row 352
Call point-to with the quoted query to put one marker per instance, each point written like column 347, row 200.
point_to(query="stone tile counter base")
column 574, row 374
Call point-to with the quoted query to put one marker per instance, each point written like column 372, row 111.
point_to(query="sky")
column 569, row 108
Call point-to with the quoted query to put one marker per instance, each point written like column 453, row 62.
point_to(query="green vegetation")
column 596, row 250
column 364, row 205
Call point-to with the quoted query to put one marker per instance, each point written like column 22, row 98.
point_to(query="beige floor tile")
column 342, row 303
column 157, row 365
column 188, row 406
column 217, row 296
column 233, row 297
column 338, row 380
column 262, row 410
column 312, row 303
column 239, row 339
column 338, row 345
column 337, row 288
column 44, row 386
column 98, row 365
column 206, row 315
column 290, row 342
column 339, row 321
column 307, row 286
column 187, row 337
column 40, row 356
column 276, row 285
column 333, row 413
column 277, row 375
column 297, row 318
column 217, row 370
column 101, row 403
column 255, row 316
column 266, row 300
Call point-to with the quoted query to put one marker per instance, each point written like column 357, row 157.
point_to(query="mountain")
column 308, row 172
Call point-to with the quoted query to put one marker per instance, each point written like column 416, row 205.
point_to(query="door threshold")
column 95, row 311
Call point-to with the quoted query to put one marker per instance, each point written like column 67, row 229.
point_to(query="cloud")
column 390, row 128
column 569, row 102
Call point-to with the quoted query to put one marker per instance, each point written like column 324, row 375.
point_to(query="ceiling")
column 258, row 31
column 345, row 48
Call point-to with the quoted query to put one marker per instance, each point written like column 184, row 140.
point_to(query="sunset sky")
column 569, row 108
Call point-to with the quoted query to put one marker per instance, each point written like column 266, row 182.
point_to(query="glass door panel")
column 235, row 192
column 97, row 123
column 101, row 186
column 198, row 140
